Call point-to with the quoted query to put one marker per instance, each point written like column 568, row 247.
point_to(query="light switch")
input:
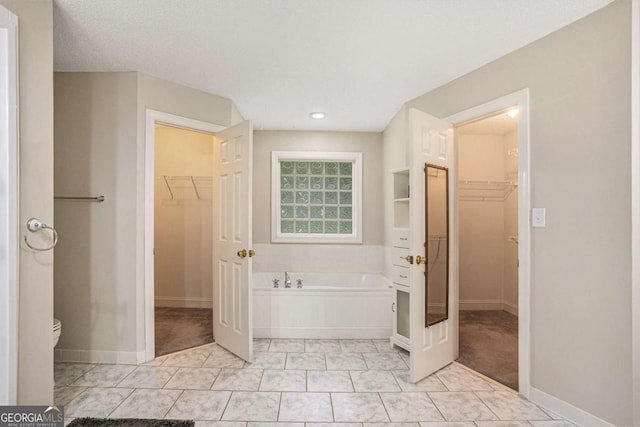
column 538, row 217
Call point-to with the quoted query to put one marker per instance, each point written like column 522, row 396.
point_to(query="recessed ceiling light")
column 318, row 115
column 512, row 113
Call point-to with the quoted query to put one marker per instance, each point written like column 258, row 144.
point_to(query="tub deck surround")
column 319, row 258
column 321, row 281
column 345, row 305
column 344, row 381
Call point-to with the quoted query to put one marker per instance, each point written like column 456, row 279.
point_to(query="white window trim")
column 277, row 236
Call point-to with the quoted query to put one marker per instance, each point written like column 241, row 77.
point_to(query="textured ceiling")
column 278, row 60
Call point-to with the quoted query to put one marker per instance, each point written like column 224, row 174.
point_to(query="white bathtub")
column 327, row 306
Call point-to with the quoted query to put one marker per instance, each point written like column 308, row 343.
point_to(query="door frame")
column 635, row 207
column 521, row 100
column 9, row 208
column 154, row 117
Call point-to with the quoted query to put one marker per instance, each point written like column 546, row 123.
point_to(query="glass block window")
column 316, row 197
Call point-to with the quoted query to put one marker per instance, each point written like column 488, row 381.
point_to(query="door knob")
column 421, row 259
column 252, row 253
column 409, row 259
column 242, row 253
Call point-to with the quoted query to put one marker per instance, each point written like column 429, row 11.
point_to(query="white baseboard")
column 510, row 308
column 98, row 356
column 480, row 305
column 566, row 410
column 184, row 302
column 329, row 333
column 486, row 305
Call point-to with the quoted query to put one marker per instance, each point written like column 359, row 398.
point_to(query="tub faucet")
column 287, row 280
column 299, row 282
column 276, row 283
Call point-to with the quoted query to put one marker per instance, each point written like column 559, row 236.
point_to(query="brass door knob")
column 421, row 259
column 409, row 259
column 252, row 253
column 242, row 253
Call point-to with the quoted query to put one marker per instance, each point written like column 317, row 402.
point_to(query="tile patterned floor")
column 294, row 383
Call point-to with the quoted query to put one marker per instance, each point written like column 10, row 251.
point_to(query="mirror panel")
column 436, row 244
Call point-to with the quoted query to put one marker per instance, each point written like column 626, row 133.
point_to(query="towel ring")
column 33, row 225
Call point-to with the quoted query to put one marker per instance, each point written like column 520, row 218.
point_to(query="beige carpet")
column 489, row 344
column 181, row 328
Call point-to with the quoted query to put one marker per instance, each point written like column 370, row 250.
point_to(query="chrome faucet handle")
column 287, row 280
column 299, row 282
column 276, row 283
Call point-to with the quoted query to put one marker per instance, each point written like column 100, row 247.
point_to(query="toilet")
column 57, row 329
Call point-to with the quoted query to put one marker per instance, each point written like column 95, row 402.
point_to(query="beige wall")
column 100, row 149
column 35, row 355
column 95, row 154
column 488, row 259
column 370, row 144
column 183, row 218
column 236, row 116
column 579, row 81
column 482, row 241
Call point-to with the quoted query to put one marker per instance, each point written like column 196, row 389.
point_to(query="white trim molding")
column 152, row 118
column 98, row 356
column 488, row 304
column 566, row 410
column 9, row 207
column 519, row 99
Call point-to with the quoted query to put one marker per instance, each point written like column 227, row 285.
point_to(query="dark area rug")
column 489, row 344
column 181, row 328
column 128, row 422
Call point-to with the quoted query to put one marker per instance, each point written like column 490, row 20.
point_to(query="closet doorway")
column 487, row 152
column 183, row 236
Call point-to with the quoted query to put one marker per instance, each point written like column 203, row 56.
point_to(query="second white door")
column 232, row 240
column 435, row 346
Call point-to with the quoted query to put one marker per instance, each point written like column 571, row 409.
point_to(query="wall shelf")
column 485, row 190
column 188, row 187
column 401, row 197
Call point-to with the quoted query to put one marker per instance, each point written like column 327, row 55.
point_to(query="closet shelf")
column 485, row 190
column 188, row 187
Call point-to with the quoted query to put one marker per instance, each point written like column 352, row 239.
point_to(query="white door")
column 232, row 240
column 435, row 346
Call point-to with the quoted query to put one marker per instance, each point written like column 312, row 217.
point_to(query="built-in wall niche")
column 401, row 197
column 316, row 197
